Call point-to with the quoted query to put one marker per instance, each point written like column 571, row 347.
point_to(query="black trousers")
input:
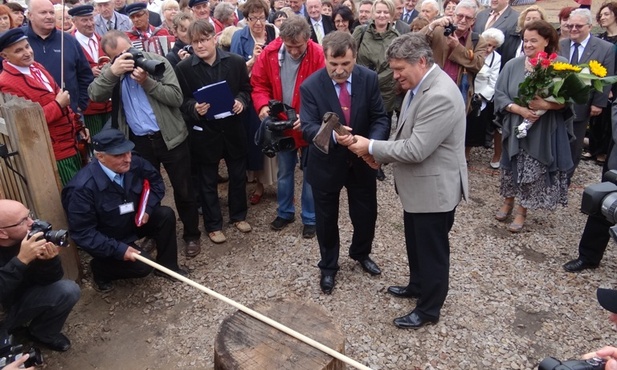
column 428, row 252
column 161, row 227
column 177, row 163
column 594, row 240
column 236, row 195
column 362, row 198
column 576, row 146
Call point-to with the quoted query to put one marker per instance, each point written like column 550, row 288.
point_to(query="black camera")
column 601, row 200
column 9, row 352
column 58, row 237
column 449, row 29
column 551, row 363
column 188, row 48
column 270, row 137
column 153, row 67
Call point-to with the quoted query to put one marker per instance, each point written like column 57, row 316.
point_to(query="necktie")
column 345, row 100
column 491, row 20
column 411, row 95
column 318, row 32
column 109, row 25
column 406, row 17
column 119, row 180
column 574, row 59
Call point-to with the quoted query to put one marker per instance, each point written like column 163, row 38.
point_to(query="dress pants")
column 576, row 146
column 594, row 240
column 362, row 198
column 161, row 227
column 45, row 307
column 428, row 252
column 177, row 163
column 236, row 195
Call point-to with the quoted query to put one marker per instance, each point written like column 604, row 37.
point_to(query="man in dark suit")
column 359, row 105
column 580, row 48
column 430, row 171
column 401, row 26
column 501, row 16
column 321, row 25
column 410, row 13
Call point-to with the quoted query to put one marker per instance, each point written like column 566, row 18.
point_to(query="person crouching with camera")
column 31, row 286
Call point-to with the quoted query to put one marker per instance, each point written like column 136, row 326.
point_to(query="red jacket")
column 266, row 78
column 62, row 127
column 95, row 107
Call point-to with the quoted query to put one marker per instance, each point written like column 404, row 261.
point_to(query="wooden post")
column 29, row 137
column 245, row 343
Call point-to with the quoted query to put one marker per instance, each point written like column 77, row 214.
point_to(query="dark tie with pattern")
column 574, row 59
column 345, row 100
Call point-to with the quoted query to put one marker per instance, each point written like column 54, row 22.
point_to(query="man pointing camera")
column 31, row 286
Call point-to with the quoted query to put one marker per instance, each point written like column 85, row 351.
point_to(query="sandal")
column 521, row 216
column 504, row 211
column 255, row 198
column 217, row 237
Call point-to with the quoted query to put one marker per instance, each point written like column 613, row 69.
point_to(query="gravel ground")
column 510, row 303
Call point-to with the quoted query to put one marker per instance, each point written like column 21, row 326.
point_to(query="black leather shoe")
column 369, row 266
column 327, row 283
column 578, row 265
column 280, row 223
column 412, row 321
column 60, row 343
column 308, row 232
column 403, row 292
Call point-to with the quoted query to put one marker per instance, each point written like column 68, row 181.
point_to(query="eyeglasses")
column 22, row 222
column 460, row 17
column 575, row 26
column 257, row 19
column 202, row 40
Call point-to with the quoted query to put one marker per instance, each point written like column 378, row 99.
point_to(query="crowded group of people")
column 414, row 85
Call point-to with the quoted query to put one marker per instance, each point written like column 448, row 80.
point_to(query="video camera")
column 270, row 137
column 551, row 363
column 9, row 352
column 58, row 237
column 153, row 67
column 601, row 200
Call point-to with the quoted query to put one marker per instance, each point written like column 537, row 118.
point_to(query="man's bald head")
column 42, row 17
column 12, row 213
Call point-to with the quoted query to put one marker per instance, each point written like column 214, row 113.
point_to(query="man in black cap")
column 103, row 203
column 142, row 33
column 201, row 10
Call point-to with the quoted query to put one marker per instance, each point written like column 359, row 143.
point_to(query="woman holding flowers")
column 533, row 168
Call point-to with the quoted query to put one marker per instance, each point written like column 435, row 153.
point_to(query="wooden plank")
column 29, row 135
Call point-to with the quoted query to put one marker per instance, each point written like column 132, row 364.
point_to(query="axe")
column 330, row 123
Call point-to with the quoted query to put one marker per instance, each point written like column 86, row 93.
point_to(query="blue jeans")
column 45, row 307
column 285, row 191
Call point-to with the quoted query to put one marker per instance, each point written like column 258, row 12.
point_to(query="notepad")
column 220, row 98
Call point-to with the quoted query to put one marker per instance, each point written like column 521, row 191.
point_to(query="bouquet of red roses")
column 559, row 82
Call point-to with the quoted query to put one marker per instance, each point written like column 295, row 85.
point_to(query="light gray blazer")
column 428, row 147
column 122, row 23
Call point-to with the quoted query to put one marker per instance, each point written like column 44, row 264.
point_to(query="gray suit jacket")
column 122, row 23
column 428, row 147
column 507, row 23
column 603, row 52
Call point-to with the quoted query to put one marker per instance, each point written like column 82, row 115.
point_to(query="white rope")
column 256, row 314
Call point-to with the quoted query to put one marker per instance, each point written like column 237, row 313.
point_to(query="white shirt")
column 85, row 43
column 26, row 71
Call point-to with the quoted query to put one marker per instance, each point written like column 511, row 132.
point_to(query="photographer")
column 146, row 108
column 31, row 286
column 458, row 50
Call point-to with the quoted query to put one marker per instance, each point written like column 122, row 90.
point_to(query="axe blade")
column 329, row 124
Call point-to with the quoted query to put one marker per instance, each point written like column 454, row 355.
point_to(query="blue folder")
column 220, row 98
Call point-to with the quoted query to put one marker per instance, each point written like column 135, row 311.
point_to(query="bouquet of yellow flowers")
column 559, row 82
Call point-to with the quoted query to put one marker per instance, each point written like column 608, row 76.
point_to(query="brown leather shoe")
column 192, row 248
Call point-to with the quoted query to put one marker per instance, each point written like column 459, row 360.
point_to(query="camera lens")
column 58, row 237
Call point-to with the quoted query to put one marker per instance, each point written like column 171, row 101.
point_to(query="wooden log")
column 245, row 343
column 27, row 129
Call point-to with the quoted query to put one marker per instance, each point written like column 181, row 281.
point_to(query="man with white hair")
column 321, row 25
column 580, row 48
column 109, row 19
column 429, row 9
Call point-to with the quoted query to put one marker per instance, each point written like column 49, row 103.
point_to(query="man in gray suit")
column 501, row 16
column 109, row 19
column 430, row 171
column 580, row 48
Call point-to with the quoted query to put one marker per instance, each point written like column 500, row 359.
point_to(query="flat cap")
column 111, row 141
column 11, row 36
column 134, row 8
column 192, row 3
column 81, row 11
